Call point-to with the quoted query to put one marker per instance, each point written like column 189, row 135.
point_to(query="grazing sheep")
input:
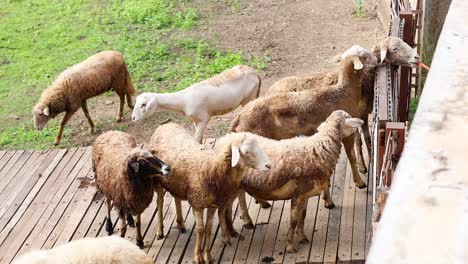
column 97, row 74
column 216, row 96
column 124, row 174
column 288, row 115
column 102, row 250
column 205, row 178
column 302, row 167
column 393, row 50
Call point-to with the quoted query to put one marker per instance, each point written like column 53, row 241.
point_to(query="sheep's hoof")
column 265, row 205
column 304, row 240
column 130, row 221
column 140, row 244
column 182, row 229
column 118, row 119
column 109, row 227
column 329, row 205
column 227, row 241
column 233, row 233
column 361, row 185
column 208, row 259
column 249, row 226
column 159, row 236
column 363, row 170
column 291, row 249
column 56, row 142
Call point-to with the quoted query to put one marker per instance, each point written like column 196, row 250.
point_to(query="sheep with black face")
column 124, row 174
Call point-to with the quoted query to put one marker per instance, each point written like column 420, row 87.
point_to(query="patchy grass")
column 360, row 10
column 25, row 137
column 41, row 38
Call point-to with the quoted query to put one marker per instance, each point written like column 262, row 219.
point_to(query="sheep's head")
column 144, row 164
column 365, row 55
column 346, row 123
column 353, row 66
column 247, row 152
column 145, row 105
column 41, row 115
column 395, row 51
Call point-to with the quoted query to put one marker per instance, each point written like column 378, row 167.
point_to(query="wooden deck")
column 49, row 198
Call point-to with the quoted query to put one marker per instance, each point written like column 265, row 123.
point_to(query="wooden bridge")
column 49, row 198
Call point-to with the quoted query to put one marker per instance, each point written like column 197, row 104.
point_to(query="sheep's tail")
column 234, row 124
column 128, row 82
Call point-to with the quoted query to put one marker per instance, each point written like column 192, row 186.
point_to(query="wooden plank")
column 10, row 169
column 61, row 214
column 359, row 225
column 171, row 240
column 370, row 190
column 98, row 222
column 150, row 236
column 281, row 238
column 272, row 230
column 22, row 183
column 218, row 245
column 45, row 223
column 331, row 246
column 6, row 158
column 89, row 217
column 2, row 152
column 15, row 242
column 169, row 218
column 82, row 201
column 9, row 174
column 303, row 251
column 183, row 239
column 259, row 235
column 229, row 253
column 346, row 224
column 317, row 250
column 30, row 196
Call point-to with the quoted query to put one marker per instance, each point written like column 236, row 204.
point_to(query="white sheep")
column 102, row 250
column 208, row 180
column 302, row 167
column 216, row 96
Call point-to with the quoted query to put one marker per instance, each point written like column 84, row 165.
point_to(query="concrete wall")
column 426, row 216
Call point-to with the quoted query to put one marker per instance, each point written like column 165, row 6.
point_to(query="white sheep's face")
column 145, row 106
column 396, row 51
column 365, row 55
column 41, row 115
column 350, row 125
column 250, row 155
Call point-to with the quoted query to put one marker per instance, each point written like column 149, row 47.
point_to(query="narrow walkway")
column 49, row 198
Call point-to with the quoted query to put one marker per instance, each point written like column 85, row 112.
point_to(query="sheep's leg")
column 121, row 106
column 263, row 204
column 130, row 221
column 300, row 225
column 84, row 106
column 139, row 237
column 199, row 130
column 348, row 143
column 129, row 100
column 228, row 217
column 296, row 211
column 328, row 200
column 208, row 228
column 180, row 217
column 123, row 223
column 109, row 227
column 223, row 223
column 160, row 204
column 360, row 157
column 64, row 121
column 248, row 223
column 197, row 254
column 367, row 137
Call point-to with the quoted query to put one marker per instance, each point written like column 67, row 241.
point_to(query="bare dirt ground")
column 299, row 37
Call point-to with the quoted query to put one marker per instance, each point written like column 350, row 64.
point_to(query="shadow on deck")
column 49, row 198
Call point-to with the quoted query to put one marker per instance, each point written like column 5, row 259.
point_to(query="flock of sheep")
column 281, row 146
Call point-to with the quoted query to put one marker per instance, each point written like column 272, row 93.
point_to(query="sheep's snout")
column 166, row 170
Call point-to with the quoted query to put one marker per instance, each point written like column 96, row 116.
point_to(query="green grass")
column 413, row 107
column 41, row 38
column 360, row 10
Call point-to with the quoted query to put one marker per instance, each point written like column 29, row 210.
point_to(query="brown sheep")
column 208, row 180
column 302, row 167
column 124, row 174
column 288, row 115
column 392, row 50
column 97, row 74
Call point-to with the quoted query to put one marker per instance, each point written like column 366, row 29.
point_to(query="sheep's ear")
column 354, row 122
column 357, row 63
column 383, row 52
column 235, row 155
column 46, row 111
column 134, row 166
